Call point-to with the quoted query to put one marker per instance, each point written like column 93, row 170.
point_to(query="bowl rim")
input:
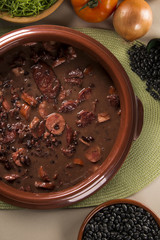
column 113, row 202
column 89, row 186
column 30, row 19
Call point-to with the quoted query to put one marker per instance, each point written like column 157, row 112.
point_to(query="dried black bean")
column 146, row 65
column 122, row 221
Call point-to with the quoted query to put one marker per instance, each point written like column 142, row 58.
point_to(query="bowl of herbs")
column 27, row 11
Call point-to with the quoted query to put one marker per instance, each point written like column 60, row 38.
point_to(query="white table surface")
column 64, row 224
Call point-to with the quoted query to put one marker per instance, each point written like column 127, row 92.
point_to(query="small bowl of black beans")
column 120, row 219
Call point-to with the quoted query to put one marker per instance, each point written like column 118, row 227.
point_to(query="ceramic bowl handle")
column 139, row 118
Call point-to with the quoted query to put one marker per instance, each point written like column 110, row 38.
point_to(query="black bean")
column 122, row 221
column 146, row 65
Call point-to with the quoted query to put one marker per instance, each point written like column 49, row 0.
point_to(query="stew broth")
column 60, row 115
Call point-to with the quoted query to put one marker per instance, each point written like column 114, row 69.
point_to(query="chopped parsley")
column 24, row 8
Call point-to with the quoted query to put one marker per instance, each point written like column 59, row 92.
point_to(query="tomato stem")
column 91, row 4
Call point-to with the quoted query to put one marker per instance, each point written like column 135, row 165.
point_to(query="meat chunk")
column 70, row 53
column 44, row 185
column 43, row 175
column 58, row 62
column 114, row 100
column 88, row 70
column 29, row 99
column 76, row 73
column 103, row 117
column 46, row 80
column 34, row 123
column 10, row 136
column 78, row 161
column 55, row 123
column 64, row 93
column 11, row 177
column 93, row 154
column 18, row 156
column 69, row 151
column 25, row 111
column 75, row 77
column 43, row 109
column 50, row 47
column 18, row 71
column 68, row 106
column 39, row 130
column 6, row 105
column 74, row 81
column 69, row 135
column 112, row 90
column 84, row 94
column 85, row 118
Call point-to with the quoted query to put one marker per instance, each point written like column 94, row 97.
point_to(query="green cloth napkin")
column 142, row 165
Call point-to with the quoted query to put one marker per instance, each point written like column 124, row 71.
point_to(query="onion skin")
column 132, row 19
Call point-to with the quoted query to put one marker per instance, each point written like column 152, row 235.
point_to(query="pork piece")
column 10, row 136
column 103, row 117
column 22, row 130
column 85, row 118
column 18, row 156
column 94, row 104
column 44, row 185
column 46, row 135
column 25, row 189
column 6, row 105
column 11, row 177
column 88, row 70
column 18, row 71
column 78, row 161
column 69, row 134
column 42, row 174
column 69, row 151
column 39, row 130
column 55, row 123
column 34, row 123
column 25, row 111
column 75, row 77
column 114, row 100
column 51, row 47
column 112, row 90
column 64, row 93
column 76, row 73
column 93, row 154
column 58, row 62
column 43, row 109
column 70, row 53
column 30, row 44
column 29, row 99
column 74, row 81
column 84, row 94
column 46, row 80
column 68, row 106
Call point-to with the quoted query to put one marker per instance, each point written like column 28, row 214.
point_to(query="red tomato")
column 94, row 10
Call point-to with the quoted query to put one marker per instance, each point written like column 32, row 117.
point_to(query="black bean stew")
column 59, row 116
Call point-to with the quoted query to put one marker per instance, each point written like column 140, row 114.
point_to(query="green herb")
column 153, row 43
column 24, row 8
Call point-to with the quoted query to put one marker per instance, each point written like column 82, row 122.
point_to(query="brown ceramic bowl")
column 23, row 20
column 130, row 125
column 127, row 202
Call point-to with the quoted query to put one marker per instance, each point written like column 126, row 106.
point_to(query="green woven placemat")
column 142, row 165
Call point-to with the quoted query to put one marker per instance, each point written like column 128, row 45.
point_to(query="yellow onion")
column 132, row 19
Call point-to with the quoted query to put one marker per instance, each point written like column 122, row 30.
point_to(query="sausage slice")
column 55, row 123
